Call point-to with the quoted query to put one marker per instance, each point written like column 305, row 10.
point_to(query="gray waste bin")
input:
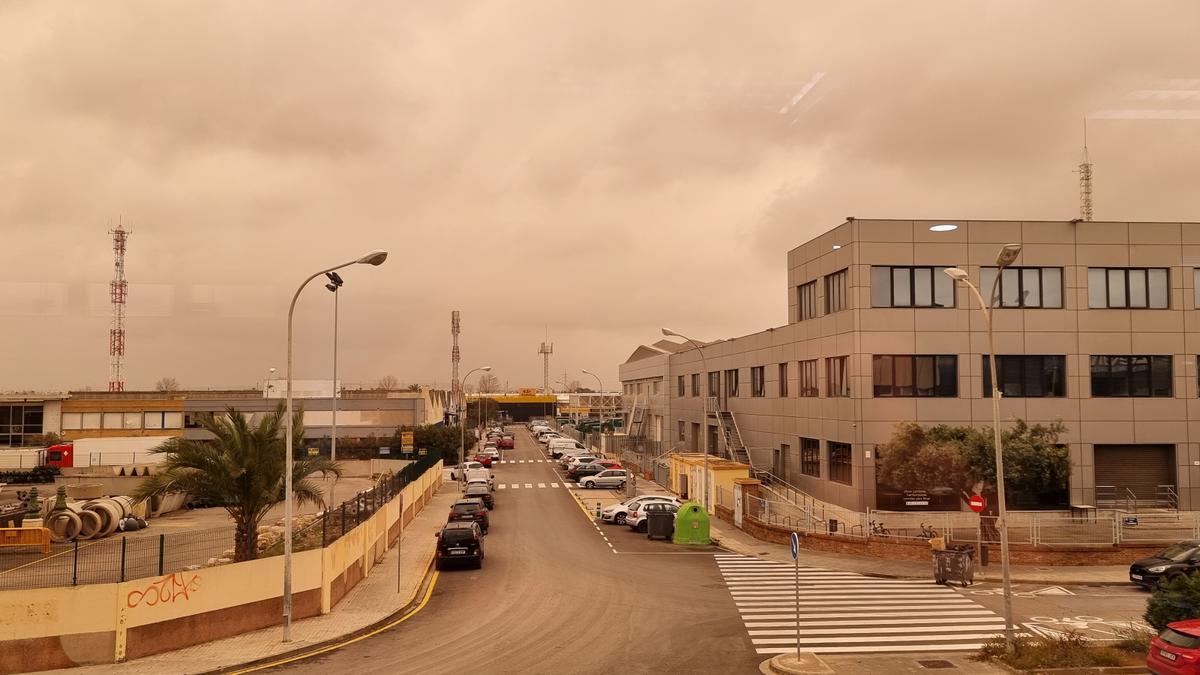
column 956, row 563
column 660, row 524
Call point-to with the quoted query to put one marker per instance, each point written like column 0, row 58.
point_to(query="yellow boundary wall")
column 61, row 627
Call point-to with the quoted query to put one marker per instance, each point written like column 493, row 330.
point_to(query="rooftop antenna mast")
column 546, row 349
column 455, row 385
column 1085, row 180
column 118, row 290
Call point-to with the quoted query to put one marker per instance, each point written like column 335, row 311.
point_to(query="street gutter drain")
column 936, row 664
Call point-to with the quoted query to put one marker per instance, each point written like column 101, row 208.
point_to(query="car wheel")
column 619, row 519
column 642, row 527
column 621, row 485
column 589, row 484
column 438, row 566
column 479, row 563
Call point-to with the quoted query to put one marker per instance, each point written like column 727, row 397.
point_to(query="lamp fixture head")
column 956, row 273
column 670, row 333
column 375, row 257
column 943, row 227
column 1008, row 255
column 332, row 287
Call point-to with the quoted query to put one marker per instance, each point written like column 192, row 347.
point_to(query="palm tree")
column 241, row 470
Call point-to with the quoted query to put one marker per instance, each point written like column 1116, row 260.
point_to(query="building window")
column 810, row 457
column 695, row 384
column 808, row 379
column 154, row 420
column 1131, row 376
column 731, row 383
column 840, row 468
column 783, row 380
column 133, row 420
column 837, row 291
column 1027, row 376
column 1122, row 287
column 70, row 421
column 657, row 385
column 682, row 431
column 758, row 381
column 837, row 380
column 904, row 375
column 1028, row 287
column 91, row 420
column 681, row 386
column 18, row 422
column 113, row 420
column 806, row 301
column 911, row 287
column 714, row 383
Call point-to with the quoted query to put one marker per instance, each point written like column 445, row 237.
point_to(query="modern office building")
column 1096, row 324
column 25, row 416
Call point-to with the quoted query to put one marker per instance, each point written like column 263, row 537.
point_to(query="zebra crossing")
column 844, row 612
column 524, row 461
column 533, row 486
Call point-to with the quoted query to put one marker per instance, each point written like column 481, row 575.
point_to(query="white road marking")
column 500, row 486
column 878, row 630
column 554, row 485
column 514, row 486
column 973, row 646
column 529, row 486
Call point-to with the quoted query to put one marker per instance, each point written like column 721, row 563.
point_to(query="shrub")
column 1068, row 650
column 1177, row 600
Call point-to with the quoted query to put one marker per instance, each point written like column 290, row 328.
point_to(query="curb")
column 318, row 647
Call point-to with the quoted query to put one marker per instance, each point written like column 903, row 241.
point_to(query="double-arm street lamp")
column 462, row 421
column 601, row 384
column 704, row 364
column 1006, row 257
column 373, row 258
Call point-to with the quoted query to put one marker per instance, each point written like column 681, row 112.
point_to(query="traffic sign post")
column 796, row 560
column 978, row 504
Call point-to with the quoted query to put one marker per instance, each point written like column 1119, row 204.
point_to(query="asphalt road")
column 554, row 597
column 1097, row 612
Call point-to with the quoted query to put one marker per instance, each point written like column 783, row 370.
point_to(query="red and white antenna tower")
column 455, row 385
column 118, row 291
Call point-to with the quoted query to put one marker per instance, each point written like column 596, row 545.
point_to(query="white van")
column 558, row 446
column 481, row 474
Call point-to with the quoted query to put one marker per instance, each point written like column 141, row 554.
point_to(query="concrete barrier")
column 106, row 623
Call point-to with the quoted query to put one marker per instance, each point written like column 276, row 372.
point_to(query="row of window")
column 936, row 375
column 840, row 464
column 149, row 419
column 1016, row 287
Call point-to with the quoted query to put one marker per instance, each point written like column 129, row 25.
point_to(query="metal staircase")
column 636, row 417
column 734, row 447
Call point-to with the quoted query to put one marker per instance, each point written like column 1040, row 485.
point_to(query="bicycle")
column 878, row 528
column 927, row 531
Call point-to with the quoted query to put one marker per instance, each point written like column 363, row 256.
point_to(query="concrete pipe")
column 90, row 523
column 110, row 514
column 126, row 504
column 64, row 526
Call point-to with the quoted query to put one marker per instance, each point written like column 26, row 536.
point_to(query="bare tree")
column 488, row 383
column 167, row 384
column 389, row 382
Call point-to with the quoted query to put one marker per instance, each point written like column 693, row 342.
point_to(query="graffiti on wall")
column 169, row 589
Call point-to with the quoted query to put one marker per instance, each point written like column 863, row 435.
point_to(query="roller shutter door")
column 1139, row 468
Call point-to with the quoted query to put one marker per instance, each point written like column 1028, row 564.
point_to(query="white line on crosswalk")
column 852, row 582
column 529, row 485
column 500, row 486
column 933, row 603
column 827, row 593
column 541, row 485
column 554, row 485
column 880, row 630
column 873, row 640
column 514, row 486
column 803, row 624
column 791, row 616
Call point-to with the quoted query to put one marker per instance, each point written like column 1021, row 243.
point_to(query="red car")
column 506, row 443
column 485, row 460
column 1176, row 650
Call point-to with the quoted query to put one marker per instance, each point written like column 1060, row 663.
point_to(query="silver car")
column 609, row 478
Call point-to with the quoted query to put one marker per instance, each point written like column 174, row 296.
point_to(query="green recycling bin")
column 691, row 526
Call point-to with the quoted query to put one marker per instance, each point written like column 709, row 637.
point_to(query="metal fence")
column 149, row 554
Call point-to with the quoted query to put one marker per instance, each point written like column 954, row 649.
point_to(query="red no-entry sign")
column 977, row 503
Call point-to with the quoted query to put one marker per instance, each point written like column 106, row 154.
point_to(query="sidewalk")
column 728, row 536
column 372, row 600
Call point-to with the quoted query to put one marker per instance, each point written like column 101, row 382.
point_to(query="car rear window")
column 464, row 508
column 472, row 491
column 457, row 536
column 1174, row 637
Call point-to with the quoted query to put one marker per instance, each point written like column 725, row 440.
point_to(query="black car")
column 1173, row 561
column 577, row 472
column 469, row 509
column 459, row 542
column 481, row 492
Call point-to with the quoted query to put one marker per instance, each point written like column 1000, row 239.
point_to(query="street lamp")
column 267, row 388
column 373, row 258
column 335, row 282
column 462, row 422
column 1007, row 256
column 601, row 383
column 704, row 364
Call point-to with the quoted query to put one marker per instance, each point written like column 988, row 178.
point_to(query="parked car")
column 570, row 455
column 460, row 541
column 481, row 474
column 558, row 446
column 608, row 478
column 578, row 472
column 544, row 437
column 482, row 492
column 1177, row 559
column 1176, row 650
column 617, row 513
column 507, row 442
column 578, row 461
column 609, row 463
column 457, row 471
column 637, row 519
column 470, row 509
column 484, row 459
column 491, row 452
column 481, row 482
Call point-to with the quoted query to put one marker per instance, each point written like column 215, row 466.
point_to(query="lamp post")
column 462, row 422
column 267, row 385
column 335, row 282
column 704, row 364
column 601, row 383
column 373, row 258
column 1007, row 256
